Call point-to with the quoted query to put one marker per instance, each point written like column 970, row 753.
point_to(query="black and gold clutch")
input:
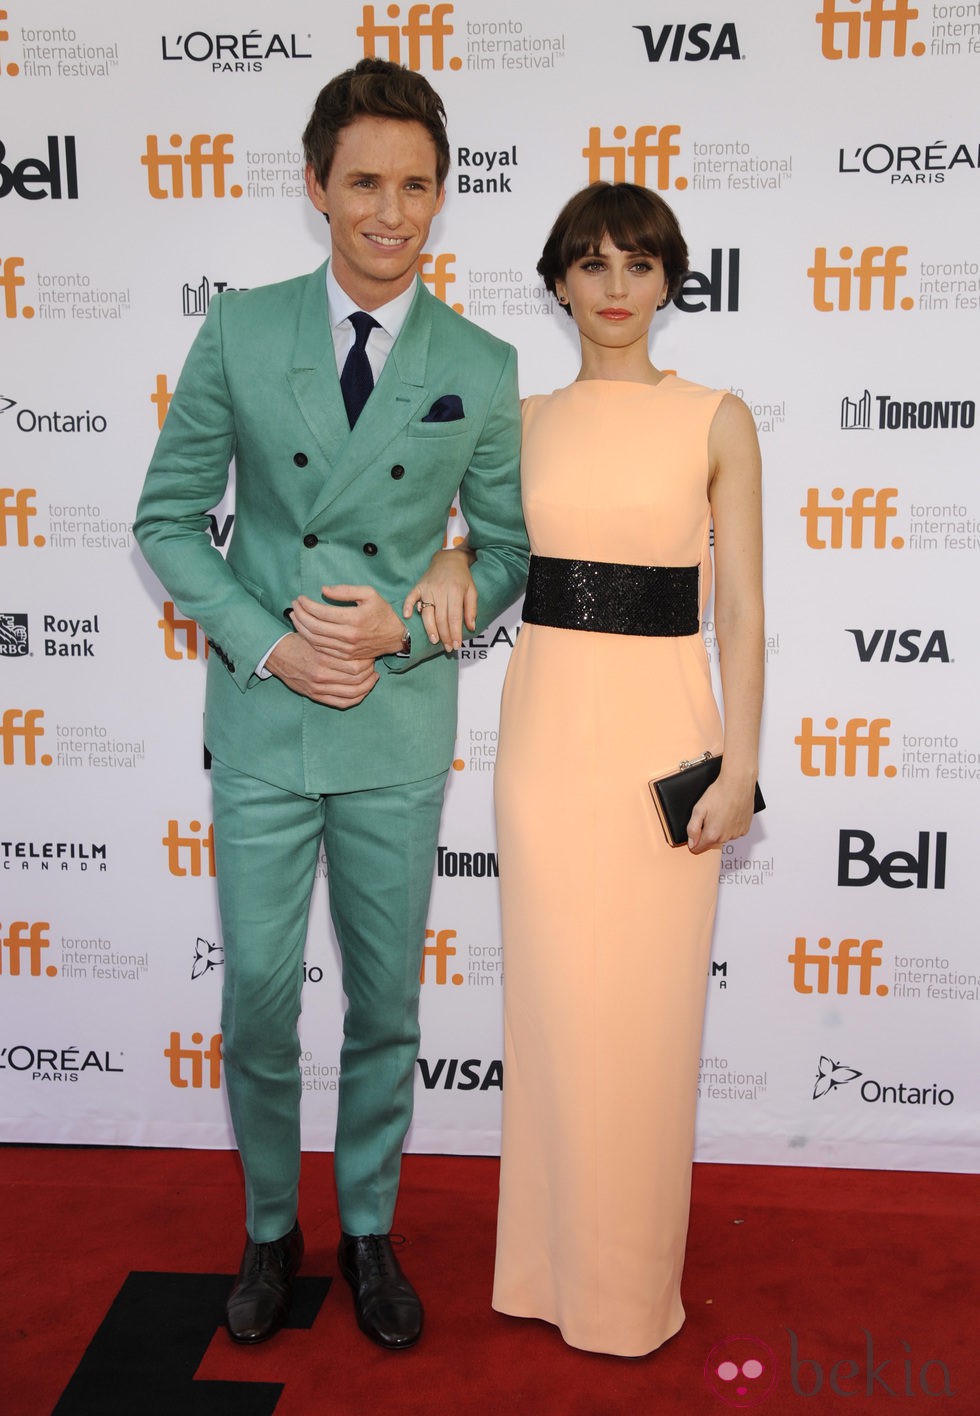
column 675, row 794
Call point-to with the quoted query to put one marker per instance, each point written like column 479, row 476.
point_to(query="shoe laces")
column 379, row 1252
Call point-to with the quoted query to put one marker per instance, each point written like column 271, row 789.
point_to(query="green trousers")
column 380, row 846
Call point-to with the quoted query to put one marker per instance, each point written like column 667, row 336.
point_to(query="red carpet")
column 854, row 1291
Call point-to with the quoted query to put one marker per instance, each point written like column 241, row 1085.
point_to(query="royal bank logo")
column 689, row 43
column 14, row 636
column 882, row 411
column 909, row 164
column 645, row 157
column 871, row 282
column 416, row 39
column 868, row 29
column 33, row 179
column 232, row 53
column 485, row 174
column 206, row 164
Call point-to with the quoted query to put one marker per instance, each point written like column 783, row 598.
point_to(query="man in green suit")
column 355, row 405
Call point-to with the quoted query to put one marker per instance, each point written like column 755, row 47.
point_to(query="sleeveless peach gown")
column 607, row 930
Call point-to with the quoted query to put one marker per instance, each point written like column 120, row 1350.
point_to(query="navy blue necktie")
column 357, row 381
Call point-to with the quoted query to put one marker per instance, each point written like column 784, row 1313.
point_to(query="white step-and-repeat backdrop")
column 823, row 158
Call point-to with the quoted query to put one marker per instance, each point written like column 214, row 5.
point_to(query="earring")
column 563, row 299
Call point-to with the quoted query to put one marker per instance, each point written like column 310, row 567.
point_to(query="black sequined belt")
column 609, row 598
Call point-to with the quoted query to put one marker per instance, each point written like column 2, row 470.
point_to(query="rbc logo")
column 205, row 153
column 862, row 738
column 191, row 631
column 877, row 269
column 852, row 27
column 415, row 29
column 867, row 504
column 639, row 150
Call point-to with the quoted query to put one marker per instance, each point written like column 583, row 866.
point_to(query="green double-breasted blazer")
column 317, row 503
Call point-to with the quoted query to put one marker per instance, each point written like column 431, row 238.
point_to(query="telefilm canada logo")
column 881, row 411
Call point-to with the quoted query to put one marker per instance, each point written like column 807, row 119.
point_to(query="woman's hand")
column 446, row 597
column 723, row 813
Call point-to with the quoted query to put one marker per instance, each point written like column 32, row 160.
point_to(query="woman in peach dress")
column 607, row 928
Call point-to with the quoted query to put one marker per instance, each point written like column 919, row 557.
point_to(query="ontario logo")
column 831, row 1076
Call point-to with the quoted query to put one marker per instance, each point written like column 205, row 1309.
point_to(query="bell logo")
column 424, row 22
column 205, row 152
column 193, row 847
column 877, row 269
column 21, row 951
column 898, row 870
column 10, row 69
column 867, row 504
column 862, row 739
column 16, row 726
column 11, row 282
column 640, row 150
column 437, row 273
column 442, row 951
column 17, row 505
column 859, row 955
column 160, row 398
column 197, row 1055
column 852, row 27
column 191, row 631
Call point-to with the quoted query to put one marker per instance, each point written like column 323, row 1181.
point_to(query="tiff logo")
column 197, row 848
column 10, row 283
column 11, row 69
column 441, row 951
column 17, row 505
column 867, row 504
column 26, row 942
column 852, row 26
column 858, row 955
column 424, row 23
column 877, row 270
column 18, row 727
column 206, row 153
column 856, row 744
column 193, row 638
column 160, row 398
column 177, row 1055
column 640, row 150
column 437, row 273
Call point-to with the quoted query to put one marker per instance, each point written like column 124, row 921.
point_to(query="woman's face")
column 613, row 295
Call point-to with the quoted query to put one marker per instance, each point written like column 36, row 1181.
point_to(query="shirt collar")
column 390, row 317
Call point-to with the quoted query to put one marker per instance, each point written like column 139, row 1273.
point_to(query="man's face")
column 380, row 196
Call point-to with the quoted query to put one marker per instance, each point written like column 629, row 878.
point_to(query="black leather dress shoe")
column 387, row 1306
column 259, row 1302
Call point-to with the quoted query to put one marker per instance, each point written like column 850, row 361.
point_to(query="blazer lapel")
column 313, row 377
column 396, row 399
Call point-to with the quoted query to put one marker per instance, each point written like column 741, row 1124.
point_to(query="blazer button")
column 398, row 471
column 287, row 613
column 300, row 458
column 310, row 541
column 370, row 549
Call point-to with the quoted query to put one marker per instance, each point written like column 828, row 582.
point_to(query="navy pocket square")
column 447, row 409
